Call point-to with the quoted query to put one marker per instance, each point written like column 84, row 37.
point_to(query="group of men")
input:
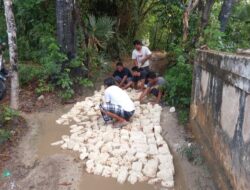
column 118, row 104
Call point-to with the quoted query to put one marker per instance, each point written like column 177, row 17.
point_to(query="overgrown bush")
column 179, row 84
column 6, row 114
column 192, row 152
column 29, row 72
column 4, row 135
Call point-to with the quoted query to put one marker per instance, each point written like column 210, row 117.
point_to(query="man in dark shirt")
column 138, row 78
column 122, row 75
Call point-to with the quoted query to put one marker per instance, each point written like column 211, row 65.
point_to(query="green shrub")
column 65, row 83
column 179, row 79
column 44, row 87
column 192, row 153
column 4, row 135
column 7, row 114
column 28, row 73
column 179, row 84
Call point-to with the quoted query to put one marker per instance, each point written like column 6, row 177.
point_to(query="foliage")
column 4, row 135
column 28, row 73
column 192, row 152
column 7, row 114
column 43, row 87
column 64, row 81
column 85, row 82
column 179, row 79
column 100, row 31
column 183, row 116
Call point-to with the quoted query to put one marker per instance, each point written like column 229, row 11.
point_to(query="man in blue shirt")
column 122, row 75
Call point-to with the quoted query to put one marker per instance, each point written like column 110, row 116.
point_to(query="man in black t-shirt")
column 138, row 79
column 122, row 75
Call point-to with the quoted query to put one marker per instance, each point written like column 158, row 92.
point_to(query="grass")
column 192, row 152
column 4, row 135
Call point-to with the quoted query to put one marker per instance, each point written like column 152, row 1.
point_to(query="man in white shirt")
column 118, row 104
column 141, row 55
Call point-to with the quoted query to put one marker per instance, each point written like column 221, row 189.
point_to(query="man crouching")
column 118, row 104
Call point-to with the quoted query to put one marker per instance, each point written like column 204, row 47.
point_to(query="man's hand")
column 143, row 61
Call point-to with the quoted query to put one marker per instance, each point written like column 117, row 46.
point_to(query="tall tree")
column 191, row 5
column 225, row 13
column 66, row 26
column 11, row 30
column 206, row 13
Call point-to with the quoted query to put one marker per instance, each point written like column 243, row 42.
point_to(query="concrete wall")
column 220, row 115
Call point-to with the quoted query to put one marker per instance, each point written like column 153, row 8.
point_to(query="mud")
column 40, row 166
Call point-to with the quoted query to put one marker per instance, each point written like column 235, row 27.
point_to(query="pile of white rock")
column 136, row 153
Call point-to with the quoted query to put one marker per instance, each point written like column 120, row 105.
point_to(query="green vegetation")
column 192, row 153
column 7, row 114
column 4, row 135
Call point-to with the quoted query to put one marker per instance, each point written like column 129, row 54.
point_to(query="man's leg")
column 129, row 84
column 117, row 79
column 111, row 111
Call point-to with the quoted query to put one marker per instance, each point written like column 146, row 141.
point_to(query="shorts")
column 154, row 91
column 116, row 109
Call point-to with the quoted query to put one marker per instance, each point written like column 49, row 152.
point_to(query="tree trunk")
column 190, row 7
column 206, row 13
column 225, row 13
column 66, row 26
column 11, row 30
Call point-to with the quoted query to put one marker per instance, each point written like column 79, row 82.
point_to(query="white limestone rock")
column 122, row 175
column 57, row 143
column 132, row 178
column 137, row 166
column 154, row 181
column 98, row 169
column 150, row 168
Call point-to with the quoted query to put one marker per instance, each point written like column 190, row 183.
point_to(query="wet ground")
column 39, row 166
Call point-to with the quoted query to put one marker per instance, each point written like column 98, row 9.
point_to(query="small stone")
column 40, row 98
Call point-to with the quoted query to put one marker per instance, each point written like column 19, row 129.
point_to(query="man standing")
column 118, row 104
column 122, row 74
column 141, row 55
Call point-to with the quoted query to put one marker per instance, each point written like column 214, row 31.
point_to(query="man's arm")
column 148, row 55
column 158, row 98
column 144, row 94
column 146, row 58
column 123, row 80
column 130, row 83
column 135, row 63
column 142, row 83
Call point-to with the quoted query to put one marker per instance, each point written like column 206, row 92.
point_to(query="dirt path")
column 39, row 166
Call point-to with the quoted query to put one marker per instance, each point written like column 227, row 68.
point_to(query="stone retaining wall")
column 220, row 115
